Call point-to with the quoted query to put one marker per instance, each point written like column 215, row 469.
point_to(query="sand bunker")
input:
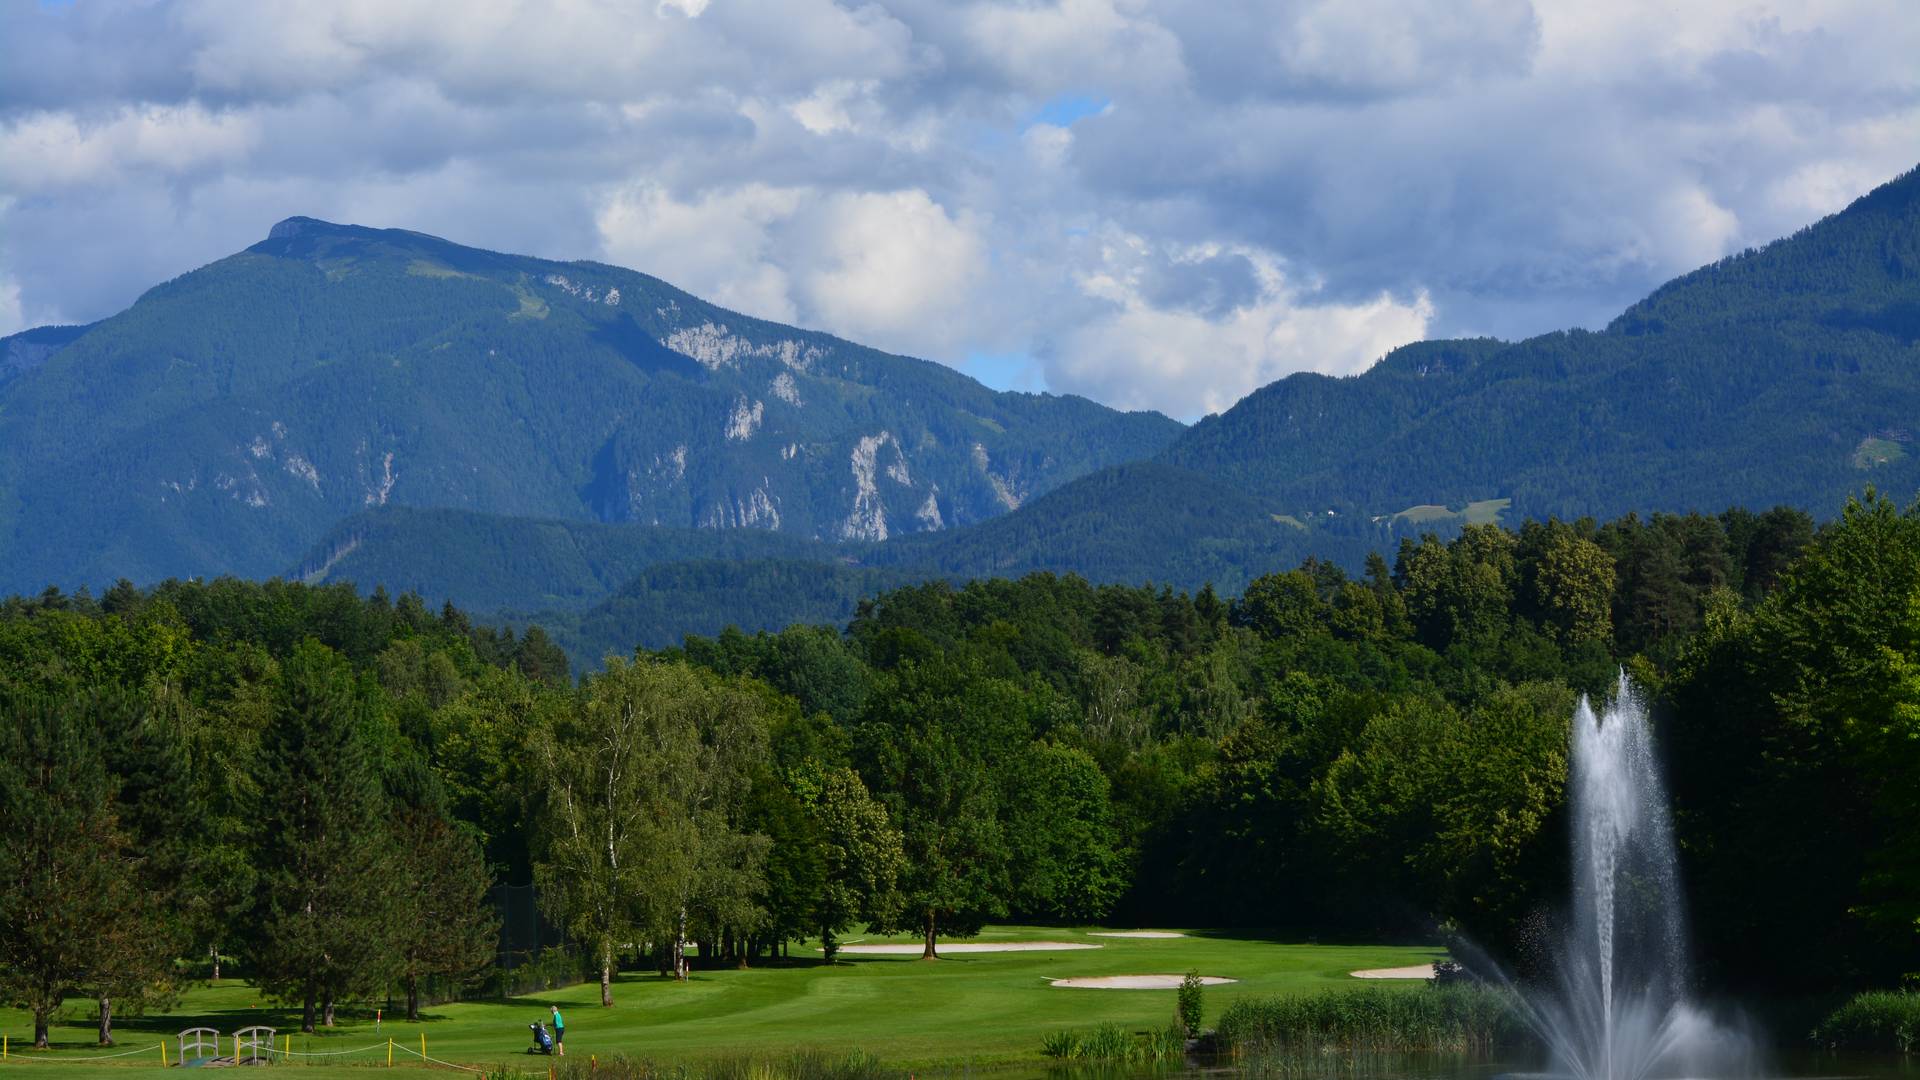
column 1136, row 982
column 1417, row 971
column 1154, row 934
column 968, row 947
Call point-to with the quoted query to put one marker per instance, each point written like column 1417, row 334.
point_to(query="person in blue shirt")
column 559, row 1032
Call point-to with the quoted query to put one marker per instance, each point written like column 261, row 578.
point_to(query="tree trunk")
column 306, row 1013
column 413, row 997
column 106, row 1020
column 829, row 945
column 40, row 1028
column 606, row 973
column 216, row 963
column 930, row 953
column 680, row 945
column 326, row 1010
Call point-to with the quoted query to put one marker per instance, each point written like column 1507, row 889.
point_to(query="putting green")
column 967, row 1009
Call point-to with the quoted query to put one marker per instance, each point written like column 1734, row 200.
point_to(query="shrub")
column 1876, row 1020
column 1458, row 1018
column 1192, row 1005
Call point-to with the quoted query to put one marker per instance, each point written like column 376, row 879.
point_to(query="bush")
column 1112, row 1043
column 1876, row 1020
column 1458, row 1019
column 1192, row 1005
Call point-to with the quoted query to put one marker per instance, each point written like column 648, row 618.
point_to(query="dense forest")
column 1325, row 755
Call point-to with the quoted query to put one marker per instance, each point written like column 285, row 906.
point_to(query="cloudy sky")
column 1155, row 204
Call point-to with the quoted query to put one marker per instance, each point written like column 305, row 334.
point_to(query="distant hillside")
column 28, row 349
column 234, row 417
column 491, row 562
column 1787, row 375
column 667, row 602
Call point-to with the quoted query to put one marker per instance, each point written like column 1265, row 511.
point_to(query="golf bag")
column 542, row 1041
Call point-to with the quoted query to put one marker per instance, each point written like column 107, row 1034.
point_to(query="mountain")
column 28, row 349
column 1786, row 375
column 232, row 420
column 1790, row 375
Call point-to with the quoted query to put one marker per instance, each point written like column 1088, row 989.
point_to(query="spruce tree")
column 325, row 912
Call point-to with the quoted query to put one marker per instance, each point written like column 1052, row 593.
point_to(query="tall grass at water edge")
column 1463, row 1019
column 1116, row 1044
column 797, row 1065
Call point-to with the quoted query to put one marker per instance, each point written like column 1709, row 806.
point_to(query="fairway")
column 972, row 1009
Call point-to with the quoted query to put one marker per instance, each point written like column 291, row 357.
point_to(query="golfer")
column 559, row 1032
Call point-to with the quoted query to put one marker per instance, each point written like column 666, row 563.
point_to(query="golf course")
column 968, row 1009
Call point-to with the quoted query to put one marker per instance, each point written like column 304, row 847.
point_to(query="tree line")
column 325, row 784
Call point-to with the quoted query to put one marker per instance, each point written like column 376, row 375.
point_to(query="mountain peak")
column 298, row 226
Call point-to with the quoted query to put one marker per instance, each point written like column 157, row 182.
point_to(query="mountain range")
column 592, row 447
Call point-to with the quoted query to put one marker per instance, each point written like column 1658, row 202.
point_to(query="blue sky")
column 1155, row 203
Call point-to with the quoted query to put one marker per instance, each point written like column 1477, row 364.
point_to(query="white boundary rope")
column 324, row 1053
column 435, row 1060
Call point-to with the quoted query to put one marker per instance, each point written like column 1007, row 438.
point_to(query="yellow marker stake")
column 389, row 1053
column 423, row 1051
column 163, row 1053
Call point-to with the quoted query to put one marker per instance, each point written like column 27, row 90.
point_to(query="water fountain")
column 1620, row 1009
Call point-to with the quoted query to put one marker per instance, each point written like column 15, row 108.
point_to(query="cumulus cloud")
column 1195, row 330
column 1154, row 202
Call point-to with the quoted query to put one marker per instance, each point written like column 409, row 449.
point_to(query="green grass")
column 1486, row 511
column 1481, row 512
column 978, row 1009
column 1874, row 451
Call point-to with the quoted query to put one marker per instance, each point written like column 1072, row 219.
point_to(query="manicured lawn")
column 978, row 1009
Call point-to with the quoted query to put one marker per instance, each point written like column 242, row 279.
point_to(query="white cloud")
column 892, row 270
column 12, row 321
column 716, row 246
column 50, row 151
column 1189, row 360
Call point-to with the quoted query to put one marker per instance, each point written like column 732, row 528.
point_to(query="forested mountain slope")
column 231, row 418
column 1786, row 375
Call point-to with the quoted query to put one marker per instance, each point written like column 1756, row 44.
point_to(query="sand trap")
column 1136, row 982
column 1156, row 935
column 968, row 947
column 1417, row 971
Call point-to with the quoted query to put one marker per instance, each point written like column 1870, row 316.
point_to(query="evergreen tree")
column 325, row 909
column 444, row 927
column 70, row 905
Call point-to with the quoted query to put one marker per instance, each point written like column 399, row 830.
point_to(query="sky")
column 1158, row 205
